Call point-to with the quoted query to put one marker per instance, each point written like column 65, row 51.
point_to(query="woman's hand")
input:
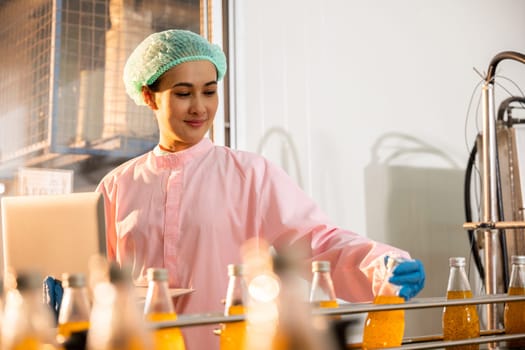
column 410, row 275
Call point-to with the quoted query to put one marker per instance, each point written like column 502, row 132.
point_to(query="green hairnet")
column 164, row 50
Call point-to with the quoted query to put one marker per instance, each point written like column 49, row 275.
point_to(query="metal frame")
column 54, row 73
column 421, row 342
column 489, row 215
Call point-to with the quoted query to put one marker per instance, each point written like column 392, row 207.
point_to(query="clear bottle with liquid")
column 28, row 323
column 116, row 321
column 385, row 328
column 322, row 292
column 296, row 329
column 159, row 307
column 75, row 307
column 233, row 334
column 514, row 313
column 462, row 321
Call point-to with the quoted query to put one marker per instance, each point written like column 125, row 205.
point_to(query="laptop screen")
column 52, row 233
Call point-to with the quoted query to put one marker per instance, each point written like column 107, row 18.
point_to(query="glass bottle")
column 263, row 290
column 233, row 334
column 159, row 307
column 75, row 307
column 385, row 328
column 116, row 322
column 514, row 313
column 295, row 328
column 28, row 322
column 459, row 322
column 322, row 292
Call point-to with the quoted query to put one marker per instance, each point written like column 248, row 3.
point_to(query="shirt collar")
column 165, row 159
column 160, row 152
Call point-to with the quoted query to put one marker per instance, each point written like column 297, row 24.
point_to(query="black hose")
column 468, row 213
column 501, row 232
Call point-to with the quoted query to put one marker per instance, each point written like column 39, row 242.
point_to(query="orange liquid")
column 28, row 343
column 135, row 343
column 514, row 318
column 327, row 304
column 31, row 343
column 460, row 322
column 168, row 338
column 280, row 340
column 233, row 336
column 384, row 328
column 65, row 329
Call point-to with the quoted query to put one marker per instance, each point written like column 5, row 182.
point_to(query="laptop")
column 52, row 234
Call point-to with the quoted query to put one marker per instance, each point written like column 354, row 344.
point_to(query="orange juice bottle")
column 385, row 328
column 167, row 338
column 295, row 327
column 322, row 293
column 514, row 314
column 27, row 322
column 115, row 321
column 159, row 307
column 75, row 307
column 460, row 322
column 233, row 334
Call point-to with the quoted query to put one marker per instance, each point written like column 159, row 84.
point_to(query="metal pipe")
column 489, row 155
column 505, row 55
column 412, row 343
column 450, row 343
column 54, row 74
column 490, row 213
column 345, row 309
column 505, row 225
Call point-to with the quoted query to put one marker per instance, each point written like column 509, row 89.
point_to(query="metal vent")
column 61, row 87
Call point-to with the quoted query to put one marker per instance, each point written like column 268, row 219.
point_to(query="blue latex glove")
column 410, row 275
column 53, row 293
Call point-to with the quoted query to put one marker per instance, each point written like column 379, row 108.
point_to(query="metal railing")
column 412, row 343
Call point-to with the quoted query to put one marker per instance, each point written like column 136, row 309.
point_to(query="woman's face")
column 184, row 102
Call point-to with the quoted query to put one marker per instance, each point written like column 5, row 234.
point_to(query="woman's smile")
column 196, row 123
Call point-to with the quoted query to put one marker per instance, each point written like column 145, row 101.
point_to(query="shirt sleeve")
column 290, row 217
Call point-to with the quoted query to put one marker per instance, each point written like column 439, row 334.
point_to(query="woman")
column 189, row 205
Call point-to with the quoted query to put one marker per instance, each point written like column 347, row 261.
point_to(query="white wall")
column 365, row 104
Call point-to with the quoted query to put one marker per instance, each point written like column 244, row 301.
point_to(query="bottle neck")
column 458, row 280
column 31, row 298
column 517, row 276
column 158, row 299
column 322, row 287
column 21, row 309
column 75, row 293
column 236, row 295
column 75, row 305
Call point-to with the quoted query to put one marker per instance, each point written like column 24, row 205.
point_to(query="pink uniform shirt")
column 191, row 211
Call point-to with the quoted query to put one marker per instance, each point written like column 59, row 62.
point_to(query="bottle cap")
column 119, row 274
column 518, row 259
column 235, row 270
column 28, row 280
column 74, row 280
column 321, row 266
column 457, row 261
column 157, row 274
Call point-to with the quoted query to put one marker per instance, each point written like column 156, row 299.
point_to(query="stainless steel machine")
column 499, row 233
